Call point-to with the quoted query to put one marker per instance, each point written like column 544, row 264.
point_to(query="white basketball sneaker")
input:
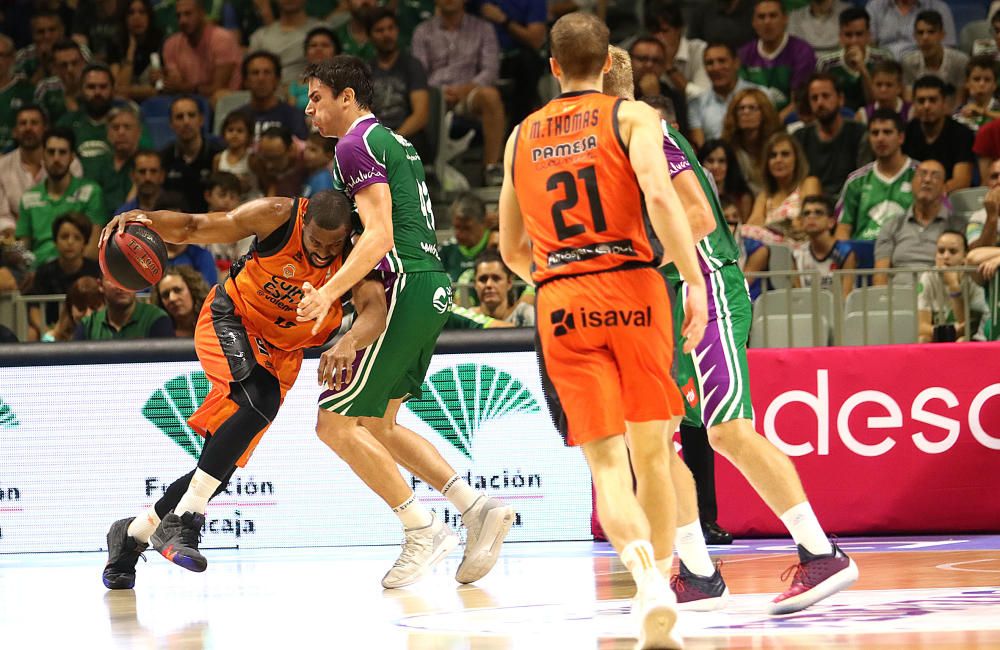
column 487, row 522
column 654, row 608
column 422, row 549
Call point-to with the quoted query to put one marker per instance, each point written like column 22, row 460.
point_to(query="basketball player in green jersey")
column 715, row 382
column 382, row 173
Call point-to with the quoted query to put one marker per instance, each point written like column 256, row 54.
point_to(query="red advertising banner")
column 886, row 439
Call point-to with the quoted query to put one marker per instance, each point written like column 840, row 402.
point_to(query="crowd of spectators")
column 827, row 125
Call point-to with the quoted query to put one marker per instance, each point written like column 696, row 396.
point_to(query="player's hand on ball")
column 695, row 317
column 336, row 365
column 121, row 220
column 314, row 306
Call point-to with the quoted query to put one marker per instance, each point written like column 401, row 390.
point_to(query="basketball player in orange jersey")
column 585, row 180
column 251, row 345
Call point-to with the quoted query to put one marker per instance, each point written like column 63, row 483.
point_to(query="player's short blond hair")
column 618, row 81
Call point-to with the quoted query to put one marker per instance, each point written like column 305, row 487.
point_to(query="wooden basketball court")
column 940, row 592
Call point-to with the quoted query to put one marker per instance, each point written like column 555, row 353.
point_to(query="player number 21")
column 568, row 182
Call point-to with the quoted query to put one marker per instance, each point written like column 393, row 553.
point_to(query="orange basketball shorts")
column 229, row 349
column 605, row 347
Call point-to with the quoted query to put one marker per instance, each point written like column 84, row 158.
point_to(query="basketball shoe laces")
column 801, row 574
column 679, row 585
column 411, row 546
column 191, row 535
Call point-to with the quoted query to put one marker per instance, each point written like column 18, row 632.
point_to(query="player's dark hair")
column 342, row 72
column 329, row 210
column 887, row 115
column 75, row 219
column 851, row 14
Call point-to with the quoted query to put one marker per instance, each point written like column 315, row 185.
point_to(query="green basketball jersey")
column 13, row 96
column 370, row 153
column 870, row 200
column 719, row 247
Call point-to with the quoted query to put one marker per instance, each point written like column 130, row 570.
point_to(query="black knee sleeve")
column 176, row 490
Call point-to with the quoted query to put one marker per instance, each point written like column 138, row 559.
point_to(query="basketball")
column 134, row 259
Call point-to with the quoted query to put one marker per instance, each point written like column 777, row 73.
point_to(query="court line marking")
column 954, row 566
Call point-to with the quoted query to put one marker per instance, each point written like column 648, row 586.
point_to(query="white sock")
column 144, row 525
column 665, row 566
column 200, row 490
column 459, row 493
column 801, row 522
column 637, row 556
column 413, row 514
column 690, row 544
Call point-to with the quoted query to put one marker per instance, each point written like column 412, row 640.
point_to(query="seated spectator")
column 181, row 292
column 222, row 193
column 754, row 256
column 750, row 121
column 280, row 170
column 931, row 57
column 60, row 93
column 521, row 33
column 818, row 24
column 823, row 253
column 467, row 214
column 399, row 84
column 933, row 135
column 647, row 56
column 58, row 194
column 719, row 161
column 320, row 43
column 853, row 64
column 22, row 168
column 90, row 122
column 941, row 296
column 989, row 46
column 495, row 292
column 982, row 230
column 16, row 260
column 980, row 87
column 34, row 62
column 786, row 181
column 893, row 23
column 684, row 62
column 70, row 232
column 262, row 77
column 353, row 35
column 460, row 54
column 137, row 71
column 238, row 157
column 97, row 24
column 317, row 156
column 722, row 21
column 284, row 37
column 201, row 58
column 123, row 317
column 774, row 59
column 833, row 146
column 707, row 111
column 188, row 161
column 881, row 190
column 887, row 91
column 910, row 240
column 15, row 93
column 147, row 181
column 83, row 298
column 987, row 259
column 113, row 172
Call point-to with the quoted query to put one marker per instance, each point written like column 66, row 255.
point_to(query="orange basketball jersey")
column 581, row 202
column 267, row 287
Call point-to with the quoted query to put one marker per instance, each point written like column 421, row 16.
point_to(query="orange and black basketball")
column 133, row 259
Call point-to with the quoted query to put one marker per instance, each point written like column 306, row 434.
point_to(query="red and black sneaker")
column 816, row 577
column 697, row 593
column 177, row 538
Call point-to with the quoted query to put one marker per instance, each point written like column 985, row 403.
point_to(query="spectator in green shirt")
column 90, row 122
column 113, row 172
column 60, row 93
column 124, row 317
column 468, row 215
column 353, row 34
column 15, row 92
column 58, row 194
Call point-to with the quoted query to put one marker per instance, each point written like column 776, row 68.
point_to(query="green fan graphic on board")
column 170, row 407
column 8, row 419
column 457, row 401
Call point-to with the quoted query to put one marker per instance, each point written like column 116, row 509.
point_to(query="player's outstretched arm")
column 640, row 129
column 514, row 246
column 336, row 364
column 259, row 217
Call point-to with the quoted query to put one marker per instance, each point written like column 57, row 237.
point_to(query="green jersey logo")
column 170, row 406
column 8, row 419
column 457, row 401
